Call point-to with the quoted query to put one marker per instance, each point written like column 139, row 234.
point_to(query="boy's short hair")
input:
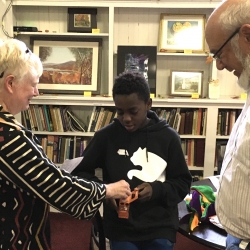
column 128, row 83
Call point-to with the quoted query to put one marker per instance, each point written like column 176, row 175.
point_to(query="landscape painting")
column 68, row 65
column 82, row 20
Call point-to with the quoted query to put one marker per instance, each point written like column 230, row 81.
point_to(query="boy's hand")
column 118, row 190
column 145, row 192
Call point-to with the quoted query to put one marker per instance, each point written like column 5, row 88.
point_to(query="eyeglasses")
column 215, row 56
column 26, row 52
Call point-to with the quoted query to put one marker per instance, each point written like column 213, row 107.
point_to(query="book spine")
column 42, row 118
column 38, row 116
column 46, row 118
column 51, row 125
column 91, row 118
column 32, row 111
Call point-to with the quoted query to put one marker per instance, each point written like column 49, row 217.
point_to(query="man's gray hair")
column 235, row 16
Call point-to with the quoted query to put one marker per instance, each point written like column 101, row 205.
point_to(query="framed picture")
column 182, row 32
column 185, row 83
column 141, row 59
column 70, row 64
column 82, row 20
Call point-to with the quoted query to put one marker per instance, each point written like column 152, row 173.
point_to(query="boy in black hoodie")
column 146, row 152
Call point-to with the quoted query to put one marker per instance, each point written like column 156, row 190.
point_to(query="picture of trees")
column 66, row 65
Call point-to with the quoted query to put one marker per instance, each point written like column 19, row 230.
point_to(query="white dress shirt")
column 233, row 199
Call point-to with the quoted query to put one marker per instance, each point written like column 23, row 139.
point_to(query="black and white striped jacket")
column 29, row 183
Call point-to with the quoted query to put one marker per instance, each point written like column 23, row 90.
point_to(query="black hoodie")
column 152, row 154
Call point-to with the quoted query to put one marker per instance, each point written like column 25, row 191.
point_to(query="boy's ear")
column 149, row 103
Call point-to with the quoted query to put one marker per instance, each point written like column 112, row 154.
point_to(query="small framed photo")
column 182, row 32
column 82, row 20
column 185, row 83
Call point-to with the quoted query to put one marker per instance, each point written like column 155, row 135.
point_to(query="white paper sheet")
column 215, row 181
column 70, row 165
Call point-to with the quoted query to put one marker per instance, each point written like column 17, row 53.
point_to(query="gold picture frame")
column 179, row 33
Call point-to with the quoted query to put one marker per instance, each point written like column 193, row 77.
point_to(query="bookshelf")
column 225, row 121
column 83, row 107
column 124, row 23
column 131, row 23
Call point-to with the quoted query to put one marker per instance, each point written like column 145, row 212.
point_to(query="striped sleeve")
column 24, row 163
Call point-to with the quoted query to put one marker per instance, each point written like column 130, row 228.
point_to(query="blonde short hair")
column 16, row 59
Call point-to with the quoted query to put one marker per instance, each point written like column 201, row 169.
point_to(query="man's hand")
column 145, row 192
column 118, row 190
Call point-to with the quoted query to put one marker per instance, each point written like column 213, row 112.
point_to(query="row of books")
column 101, row 117
column 194, row 151
column 185, row 121
column 226, row 120
column 51, row 118
column 60, row 148
column 61, row 119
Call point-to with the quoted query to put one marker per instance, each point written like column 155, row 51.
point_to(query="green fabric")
column 203, row 198
column 207, row 191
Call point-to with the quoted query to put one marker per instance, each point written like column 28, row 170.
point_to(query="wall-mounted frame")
column 185, row 83
column 141, row 59
column 182, row 32
column 70, row 64
column 82, row 19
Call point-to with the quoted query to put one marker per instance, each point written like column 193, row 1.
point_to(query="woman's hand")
column 118, row 190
